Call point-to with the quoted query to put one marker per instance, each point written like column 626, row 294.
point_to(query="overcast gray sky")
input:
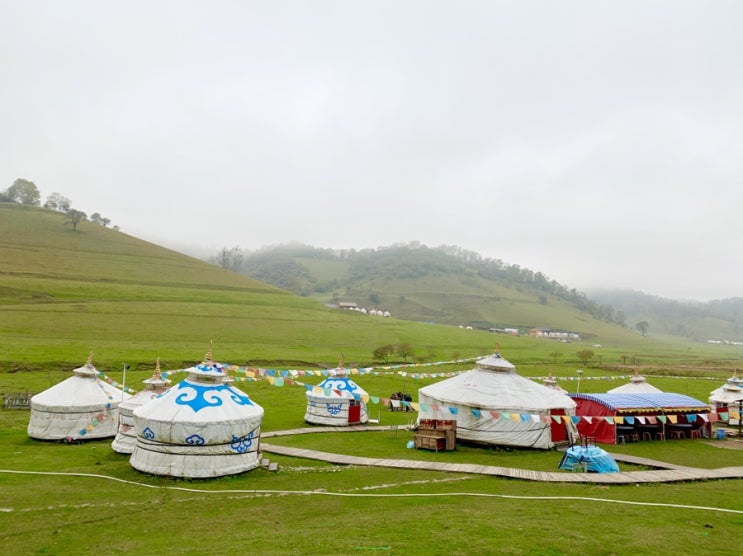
column 598, row 142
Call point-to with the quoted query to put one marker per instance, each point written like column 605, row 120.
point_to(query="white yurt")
column 80, row 407
column 336, row 401
column 636, row 385
column 126, row 436
column 550, row 382
column 727, row 397
column 201, row 427
column 493, row 404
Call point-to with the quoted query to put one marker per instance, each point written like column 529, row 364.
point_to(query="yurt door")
column 354, row 411
column 559, row 432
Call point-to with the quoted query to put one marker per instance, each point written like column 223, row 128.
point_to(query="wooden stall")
column 436, row 434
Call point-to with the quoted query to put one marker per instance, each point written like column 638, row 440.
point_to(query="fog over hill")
column 451, row 284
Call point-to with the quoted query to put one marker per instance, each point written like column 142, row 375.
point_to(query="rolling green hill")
column 64, row 293
column 444, row 285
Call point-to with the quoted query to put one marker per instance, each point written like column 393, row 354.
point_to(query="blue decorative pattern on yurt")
column 242, row 444
column 340, row 384
column 195, row 440
column 334, row 409
column 199, row 396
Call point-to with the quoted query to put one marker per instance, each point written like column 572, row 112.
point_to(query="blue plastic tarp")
column 594, row 458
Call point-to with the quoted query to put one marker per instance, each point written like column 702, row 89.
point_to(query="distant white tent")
column 550, row 382
column 336, row 401
column 199, row 428
column 636, row 385
column 79, row 407
column 727, row 397
column 494, row 405
column 126, row 436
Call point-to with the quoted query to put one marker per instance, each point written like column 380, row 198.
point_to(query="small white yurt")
column 126, row 436
column 636, row 385
column 336, row 401
column 79, row 407
column 201, row 427
column 727, row 397
column 550, row 382
column 492, row 404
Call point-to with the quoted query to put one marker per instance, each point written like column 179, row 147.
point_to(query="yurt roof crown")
column 87, row 370
column 156, row 382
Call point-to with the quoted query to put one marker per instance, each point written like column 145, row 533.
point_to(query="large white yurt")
column 81, row 407
column 126, row 436
column 199, row 428
column 636, row 385
column 493, row 404
column 336, row 401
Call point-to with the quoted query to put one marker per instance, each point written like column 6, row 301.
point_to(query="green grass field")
column 64, row 293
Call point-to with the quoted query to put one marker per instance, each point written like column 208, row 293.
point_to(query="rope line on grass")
column 381, row 495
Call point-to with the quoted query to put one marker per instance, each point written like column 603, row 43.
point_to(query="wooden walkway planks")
column 663, row 472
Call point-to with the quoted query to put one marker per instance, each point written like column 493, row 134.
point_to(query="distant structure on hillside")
column 551, row 334
column 351, row 306
column 511, row 331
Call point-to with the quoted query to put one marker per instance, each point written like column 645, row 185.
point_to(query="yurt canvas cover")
column 608, row 416
column 494, row 405
column 201, row 427
column 637, row 385
column 126, row 436
column 336, row 401
column 79, row 407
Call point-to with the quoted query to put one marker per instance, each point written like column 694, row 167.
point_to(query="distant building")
column 348, row 305
column 551, row 334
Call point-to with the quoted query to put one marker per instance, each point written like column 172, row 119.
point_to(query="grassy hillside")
column 443, row 285
column 64, row 293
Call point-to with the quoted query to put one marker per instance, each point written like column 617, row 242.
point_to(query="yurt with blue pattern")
column 81, row 407
column 201, row 427
column 336, row 401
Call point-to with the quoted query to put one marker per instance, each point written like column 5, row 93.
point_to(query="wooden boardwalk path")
column 663, row 472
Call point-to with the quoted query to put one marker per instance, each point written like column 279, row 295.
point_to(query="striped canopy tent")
column 201, row 427
column 607, row 417
column 636, row 385
column 126, row 437
column 336, row 401
column 80, row 407
column 493, row 387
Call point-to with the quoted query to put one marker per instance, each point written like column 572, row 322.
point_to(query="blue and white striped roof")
column 645, row 400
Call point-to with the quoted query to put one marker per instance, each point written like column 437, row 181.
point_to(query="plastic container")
column 720, row 434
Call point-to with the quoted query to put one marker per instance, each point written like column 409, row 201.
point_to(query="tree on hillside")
column 642, row 326
column 404, row 350
column 74, row 217
column 24, row 192
column 554, row 355
column 382, row 353
column 585, row 355
column 58, row 202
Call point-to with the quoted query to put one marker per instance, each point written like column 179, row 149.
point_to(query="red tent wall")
column 558, row 430
column 598, row 427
